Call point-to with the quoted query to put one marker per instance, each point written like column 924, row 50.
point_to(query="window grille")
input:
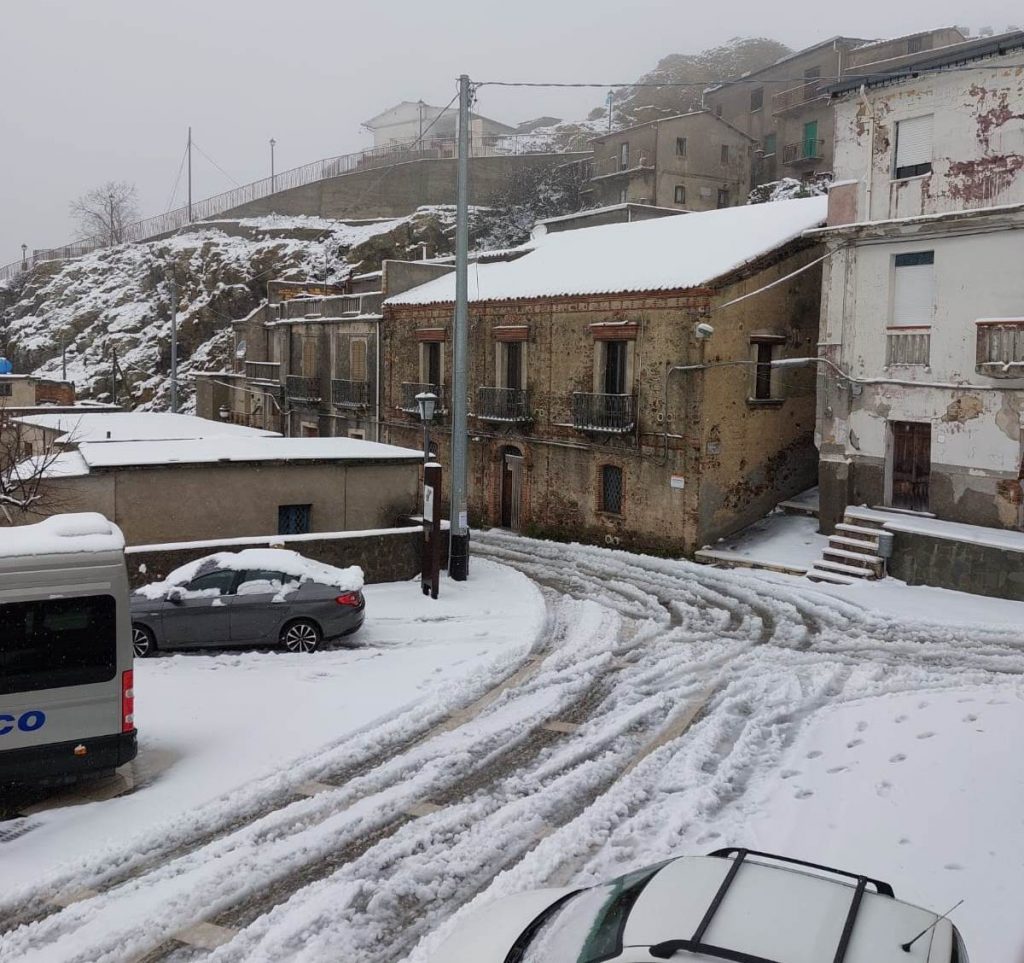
column 611, row 489
column 293, row 519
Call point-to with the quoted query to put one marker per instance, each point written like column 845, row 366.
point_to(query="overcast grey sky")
column 96, row 90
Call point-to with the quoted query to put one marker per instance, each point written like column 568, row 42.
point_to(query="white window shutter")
column 914, row 294
column 914, row 141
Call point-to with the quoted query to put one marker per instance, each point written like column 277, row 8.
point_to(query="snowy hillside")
column 118, row 299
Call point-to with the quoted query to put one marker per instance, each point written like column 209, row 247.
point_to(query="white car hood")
column 487, row 934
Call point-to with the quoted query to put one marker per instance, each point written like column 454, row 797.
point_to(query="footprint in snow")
column 804, row 793
column 900, row 718
column 853, row 743
column 883, row 788
column 861, row 726
column 904, row 841
column 899, row 757
column 970, row 717
column 952, row 866
column 814, row 753
column 925, row 735
column 789, row 773
column 836, row 769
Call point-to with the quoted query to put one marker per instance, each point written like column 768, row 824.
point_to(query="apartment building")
column 922, row 336
column 693, row 161
column 618, row 391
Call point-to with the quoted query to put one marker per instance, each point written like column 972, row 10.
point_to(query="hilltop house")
column 922, row 333
column 619, row 391
column 410, row 121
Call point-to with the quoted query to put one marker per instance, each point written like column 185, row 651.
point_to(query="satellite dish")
column 5, row 366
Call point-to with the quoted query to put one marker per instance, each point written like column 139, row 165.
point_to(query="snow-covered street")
column 663, row 708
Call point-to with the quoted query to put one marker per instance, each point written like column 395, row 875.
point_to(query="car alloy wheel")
column 142, row 642
column 301, row 637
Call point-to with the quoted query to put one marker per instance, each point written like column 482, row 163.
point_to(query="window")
column 6, row 389
column 611, row 489
column 293, row 519
column 623, row 156
column 357, row 433
column 913, row 147
column 615, row 360
column 222, row 580
column 680, row 194
column 723, row 197
column 431, row 363
column 913, row 291
column 769, row 144
column 310, row 357
column 680, row 147
column 756, row 99
column 263, row 582
column 52, row 643
column 763, row 370
column 725, row 153
column 809, row 147
column 510, row 364
column 310, row 430
column 357, row 359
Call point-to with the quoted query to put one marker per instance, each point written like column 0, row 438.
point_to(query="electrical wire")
column 177, row 181
column 215, row 164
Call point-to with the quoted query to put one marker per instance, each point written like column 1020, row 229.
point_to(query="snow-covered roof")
column 62, row 535
column 118, row 454
column 670, row 253
column 137, row 426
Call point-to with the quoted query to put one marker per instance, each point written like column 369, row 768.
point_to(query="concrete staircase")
column 852, row 553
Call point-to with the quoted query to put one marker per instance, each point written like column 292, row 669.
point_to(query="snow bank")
column 272, row 559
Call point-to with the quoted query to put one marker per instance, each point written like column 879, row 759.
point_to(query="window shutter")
column 914, row 293
column 914, row 141
column 357, row 360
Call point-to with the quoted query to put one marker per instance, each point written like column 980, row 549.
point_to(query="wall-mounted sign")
column 677, row 482
column 428, row 503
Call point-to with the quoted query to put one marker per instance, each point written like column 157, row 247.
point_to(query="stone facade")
column 922, row 322
column 691, row 162
column 670, row 463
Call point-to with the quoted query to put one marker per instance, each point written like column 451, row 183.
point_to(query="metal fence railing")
column 614, row 414
column 440, row 148
column 350, row 394
column 502, row 404
column 303, row 390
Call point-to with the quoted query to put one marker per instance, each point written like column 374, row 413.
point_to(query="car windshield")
column 588, row 927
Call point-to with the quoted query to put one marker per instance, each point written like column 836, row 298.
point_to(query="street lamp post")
column 273, row 144
column 426, row 403
column 24, row 257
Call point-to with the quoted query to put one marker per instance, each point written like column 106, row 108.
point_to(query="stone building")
column 410, row 121
column 922, row 337
column 693, row 161
column 785, row 107
column 618, row 391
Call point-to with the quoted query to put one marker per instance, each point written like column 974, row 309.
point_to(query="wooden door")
column 511, row 488
column 911, row 464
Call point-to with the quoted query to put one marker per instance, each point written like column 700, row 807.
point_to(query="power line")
column 215, row 164
column 177, row 180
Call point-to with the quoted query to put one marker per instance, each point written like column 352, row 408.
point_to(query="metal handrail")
column 350, row 394
column 812, row 149
column 502, row 404
column 603, row 412
column 439, row 148
column 263, row 370
column 303, row 389
column 409, row 390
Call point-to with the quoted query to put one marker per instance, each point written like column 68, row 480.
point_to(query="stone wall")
column 965, row 567
column 388, row 555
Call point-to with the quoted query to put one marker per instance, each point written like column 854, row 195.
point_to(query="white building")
column 412, row 121
column 921, row 391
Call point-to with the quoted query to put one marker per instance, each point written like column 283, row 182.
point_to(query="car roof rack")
column 696, row 943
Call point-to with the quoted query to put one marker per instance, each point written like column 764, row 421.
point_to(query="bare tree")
column 105, row 213
column 25, row 473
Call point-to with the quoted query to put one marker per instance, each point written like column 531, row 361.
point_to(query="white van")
column 66, row 698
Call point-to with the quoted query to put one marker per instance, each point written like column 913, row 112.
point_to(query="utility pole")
column 174, row 344
column 273, row 143
column 190, row 175
column 110, row 219
column 113, row 377
column 458, row 549
column 64, row 361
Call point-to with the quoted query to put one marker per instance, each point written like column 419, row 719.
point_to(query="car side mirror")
column 175, row 595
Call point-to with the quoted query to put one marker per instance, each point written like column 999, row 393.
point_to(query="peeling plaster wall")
column 978, row 137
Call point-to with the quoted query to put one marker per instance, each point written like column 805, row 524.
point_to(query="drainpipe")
column 871, row 153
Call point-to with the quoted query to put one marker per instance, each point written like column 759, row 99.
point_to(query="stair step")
column 842, row 541
column 857, row 529
column 856, row 556
column 854, row 570
column 903, row 511
column 833, row 578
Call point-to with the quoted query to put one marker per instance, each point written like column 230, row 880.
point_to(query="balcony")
column 796, row 97
column 907, row 348
column 609, row 414
column 503, row 404
column 263, row 370
column 409, row 391
column 805, row 152
column 303, row 391
column 1001, row 348
column 350, row 394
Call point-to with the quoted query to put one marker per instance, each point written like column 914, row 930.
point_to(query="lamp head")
column 426, row 402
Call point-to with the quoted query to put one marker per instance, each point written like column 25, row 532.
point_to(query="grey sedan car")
column 222, row 602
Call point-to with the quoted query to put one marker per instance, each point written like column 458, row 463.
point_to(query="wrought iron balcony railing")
column 502, row 404
column 303, row 390
column 409, row 391
column 614, row 414
column 263, row 370
column 804, row 151
column 797, row 96
column 350, row 394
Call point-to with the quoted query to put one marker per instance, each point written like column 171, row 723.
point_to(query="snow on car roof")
column 137, row 426
column 62, row 535
column 270, row 559
column 669, row 253
column 110, row 454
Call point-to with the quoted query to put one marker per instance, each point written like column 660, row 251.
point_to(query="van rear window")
column 53, row 643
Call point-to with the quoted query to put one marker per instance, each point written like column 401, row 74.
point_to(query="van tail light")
column 127, row 701
column 354, row 599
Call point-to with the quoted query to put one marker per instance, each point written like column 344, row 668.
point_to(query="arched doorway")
column 511, row 487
